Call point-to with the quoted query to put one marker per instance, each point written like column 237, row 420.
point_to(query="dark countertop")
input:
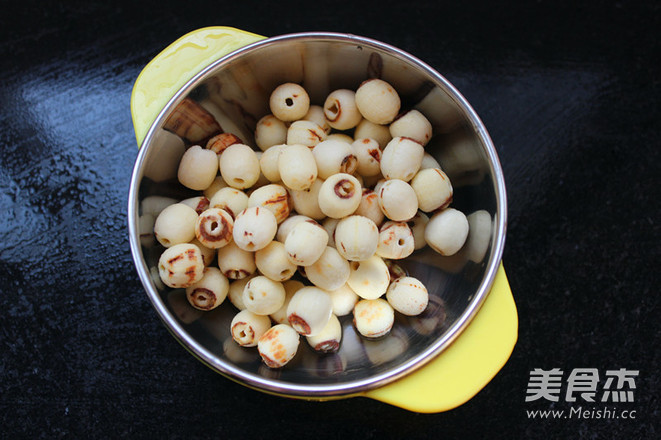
column 570, row 96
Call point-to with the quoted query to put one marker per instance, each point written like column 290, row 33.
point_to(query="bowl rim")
column 353, row 387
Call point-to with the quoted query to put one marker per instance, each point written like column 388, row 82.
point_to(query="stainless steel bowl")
column 232, row 93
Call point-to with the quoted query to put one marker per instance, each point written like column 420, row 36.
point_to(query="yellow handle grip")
column 449, row 380
column 175, row 65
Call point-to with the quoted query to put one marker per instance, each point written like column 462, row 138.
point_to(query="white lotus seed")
column 210, row 291
column 306, row 201
column 373, row 318
column 340, row 109
column 305, row 243
column 366, row 129
column 217, row 184
column 414, row 125
column 395, row 241
column 291, row 287
column 446, row 231
column 343, row 299
column 272, row 262
column 408, row 296
column 428, row 161
column 339, row 195
column 175, row 224
column 330, row 271
column 254, row 228
column 401, row 159
column 342, row 137
column 247, row 327
column 369, row 207
column 368, row 156
column 197, row 168
column 369, row 278
column 309, row 310
column 232, row 200
column 289, row 102
column 306, row 133
column 181, row 265
column 316, row 114
column 356, row 237
column 263, row 296
column 235, row 293
column 297, row 167
column 199, row 203
column 397, row 200
column 268, row 163
column 239, row 166
column 329, row 338
column 236, row 263
column 377, row 101
column 214, row 228
column 432, row 188
column 270, row 131
column 329, row 224
column 417, row 225
column 208, row 254
column 278, row 345
column 273, row 197
column 479, row 235
column 334, row 157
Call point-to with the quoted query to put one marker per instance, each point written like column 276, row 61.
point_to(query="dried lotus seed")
column 181, row 265
column 254, row 228
column 306, row 133
column 306, row 201
column 270, row 131
column 247, row 327
column 273, row 197
column 291, row 287
column 289, row 102
column 340, row 109
column 356, row 237
column 236, row 263
column 297, row 167
column 334, row 157
column 401, row 159
column 397, row 200
column 278, row 345
column 309, row 310
column 432, row 188
column 369, row 207
column 339, row 195
column 408, row 296
column 377, row 101
column 239, row 166
column 446, row 231
column 214, row 228
column 395, row 241
column 232, row 200
column 175, row 224
column 373, row 318
column 329, row 338
column 343, row 299
column 199, row 204
column 412, row 124
column 197, row 168
column 368, row 156
column 379, row 133
column 330, row 271
column 369, row 278
column 272, row 261
column 210, row 291
column 305, row 243
column 268, row 163
column 316, row 114
column 263, row 296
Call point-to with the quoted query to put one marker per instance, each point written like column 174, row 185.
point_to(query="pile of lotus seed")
column 334, row 210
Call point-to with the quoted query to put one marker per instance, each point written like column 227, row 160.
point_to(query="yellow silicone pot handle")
column 450, row 379
column 175, row 65
column 466, row 366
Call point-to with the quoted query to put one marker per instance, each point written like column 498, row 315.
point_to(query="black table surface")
column 570, row 96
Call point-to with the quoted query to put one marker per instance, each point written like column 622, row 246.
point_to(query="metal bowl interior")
column 234, row 91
